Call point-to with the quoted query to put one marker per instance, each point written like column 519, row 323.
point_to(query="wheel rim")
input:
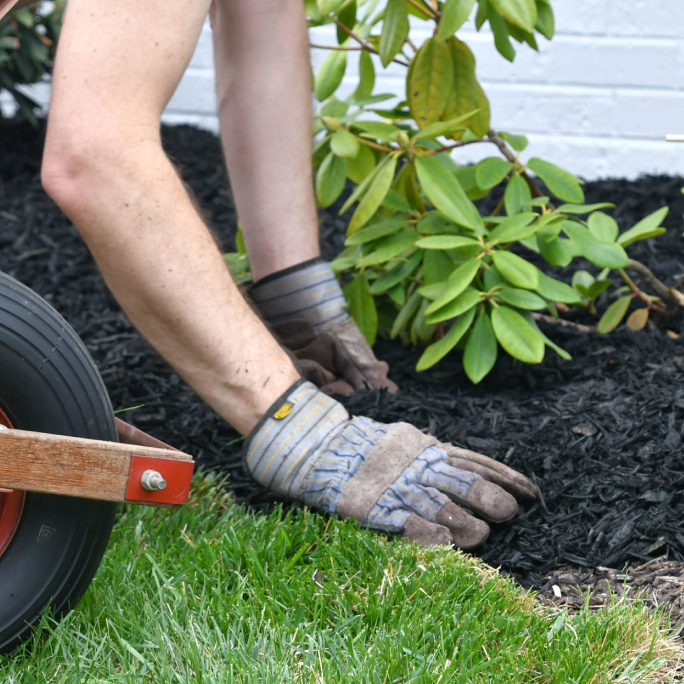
column 11, row 504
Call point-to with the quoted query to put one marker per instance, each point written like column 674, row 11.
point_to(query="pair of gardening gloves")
column 389, row 477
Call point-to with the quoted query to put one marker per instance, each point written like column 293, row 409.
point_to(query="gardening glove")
column 307, row 312
column 388, row 477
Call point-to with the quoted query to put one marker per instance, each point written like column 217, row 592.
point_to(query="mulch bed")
column 600, row 434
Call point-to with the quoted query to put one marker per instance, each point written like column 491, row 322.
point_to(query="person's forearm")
column 264, row 92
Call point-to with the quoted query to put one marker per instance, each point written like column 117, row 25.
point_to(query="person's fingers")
column 467, row 531
column 511, row 480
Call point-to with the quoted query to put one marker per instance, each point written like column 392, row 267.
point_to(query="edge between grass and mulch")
column 217, row 592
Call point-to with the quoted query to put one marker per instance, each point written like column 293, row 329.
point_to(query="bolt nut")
column 152, row 481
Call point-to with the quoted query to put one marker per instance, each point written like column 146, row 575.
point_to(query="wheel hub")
column 11, row 504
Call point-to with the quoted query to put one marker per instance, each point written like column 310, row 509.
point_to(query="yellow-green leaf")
column 456, row 283
column 560, row 182
column 442, row 242
column 344, row 144
column 445, row 192
column 330, row 74
column 330, row 180
column 648, row 226
column 468, row 299
column 613, row 314
column 516, row 270
column 438, row 350
column 517, row 195
column 481, row 349
column 377, row 190
column 464, row 92
column 361, row 165
column 429, row 83
column 517, row 336
column 520, row 13
column 491, row 171
column 454, row 15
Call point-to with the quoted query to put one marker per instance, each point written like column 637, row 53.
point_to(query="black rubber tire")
column 48, row 383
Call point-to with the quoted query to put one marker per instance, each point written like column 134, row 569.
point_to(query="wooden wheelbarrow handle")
column 146, row 471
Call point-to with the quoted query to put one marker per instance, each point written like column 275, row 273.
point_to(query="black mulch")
column 601, row 434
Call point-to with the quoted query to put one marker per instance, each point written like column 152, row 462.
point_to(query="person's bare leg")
column 263, row 82
column 117, row 66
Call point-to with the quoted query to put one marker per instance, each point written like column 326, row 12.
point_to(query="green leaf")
column 517, row 142
column 361, row 165
column 344, row 144
column 406, row 314
column 379, row 131
column 454, row 15
column 481, row 349
column 456, row 283
column 468, row 299
column 517, row 195
column 603, row 227
column 465, row 93
column 584, row 208
column 559, row 181
column 606, row 254
column 395, row 28
column 388, row 248
column 330, row 74
column 491, row 171
column 522, row 299
column 366, row 77
column 377, row 190
column 501, row 33
column 347, row 17
column 421, row 331
column 445, row 242
column 613, row 314
column 396, row 275
column 648, row 226
column 557, row 291
column 435, row 223
column 331, row 177
column 520, row 13
column 449, row 127
column 546, row 24
column 376, row 231
column 516, row 270
column 517, row 336
column 445, row 192
column 437, row 266
column 429, row 82
column 556, row 251
column 549, row 343
column 438, row 350
column 514, row 228
column 362, row 306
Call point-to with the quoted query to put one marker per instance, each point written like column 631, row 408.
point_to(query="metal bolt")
column 152, row 481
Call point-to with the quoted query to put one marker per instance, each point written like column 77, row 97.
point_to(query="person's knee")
column 82, row 162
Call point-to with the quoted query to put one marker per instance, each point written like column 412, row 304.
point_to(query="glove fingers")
column 490, row 501
column 426, row 533
column 467, row 531
column 511, row 480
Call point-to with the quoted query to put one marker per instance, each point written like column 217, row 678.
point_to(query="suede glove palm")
column 389, row 477
column 307, row 312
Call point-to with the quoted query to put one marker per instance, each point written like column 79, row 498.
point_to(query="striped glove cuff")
column 308, row 291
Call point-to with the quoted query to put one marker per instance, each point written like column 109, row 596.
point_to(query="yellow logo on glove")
column 284, row 411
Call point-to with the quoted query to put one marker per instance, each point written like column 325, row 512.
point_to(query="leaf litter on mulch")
column 601, row 434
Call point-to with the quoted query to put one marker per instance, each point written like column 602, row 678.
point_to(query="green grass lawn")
column 214, row 592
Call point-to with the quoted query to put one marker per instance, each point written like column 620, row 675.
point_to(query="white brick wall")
column 598, row 99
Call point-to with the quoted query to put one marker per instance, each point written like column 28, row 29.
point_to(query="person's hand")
column 306, row 310
column 388, row 477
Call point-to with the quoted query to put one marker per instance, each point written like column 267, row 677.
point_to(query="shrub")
column 28, row 38
column 421, row 260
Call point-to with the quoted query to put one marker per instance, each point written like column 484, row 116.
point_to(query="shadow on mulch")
column 601, row 434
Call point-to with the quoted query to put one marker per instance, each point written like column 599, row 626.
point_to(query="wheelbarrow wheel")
column 50, row 546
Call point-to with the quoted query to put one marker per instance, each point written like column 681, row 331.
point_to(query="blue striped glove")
column 388, row 477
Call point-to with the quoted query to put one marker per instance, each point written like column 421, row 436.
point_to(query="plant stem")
column 376, row 146
column 507, row 152
column 673, row 299
column 365, row 45
column 424, row 8
column 345, row 48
